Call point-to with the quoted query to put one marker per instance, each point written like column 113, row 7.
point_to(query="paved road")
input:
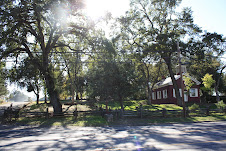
column 193, row 136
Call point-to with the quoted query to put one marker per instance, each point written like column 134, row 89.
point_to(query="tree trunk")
column 37, row 94
column 175, row 86
column 149, row 94
column 147, row 83
column 72, row 94
column 216, row 85
column 120, row 101
column 53, row 94
column 217, row 93
column 81, row 96
column 45, row 99
column 37, row 98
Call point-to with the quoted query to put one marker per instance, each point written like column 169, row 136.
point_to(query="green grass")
column 95, row 120
column 131, row 105
column 214, row 117
column 91, row 120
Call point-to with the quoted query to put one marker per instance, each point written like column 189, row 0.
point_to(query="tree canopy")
column 55, row 46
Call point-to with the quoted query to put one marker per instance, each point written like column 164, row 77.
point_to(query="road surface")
column 192, row 136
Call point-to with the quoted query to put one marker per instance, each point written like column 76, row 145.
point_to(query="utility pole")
column 182, row 83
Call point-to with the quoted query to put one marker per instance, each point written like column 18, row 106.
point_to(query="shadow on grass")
column 64, row 121
column 94, row 120
column 215, row 117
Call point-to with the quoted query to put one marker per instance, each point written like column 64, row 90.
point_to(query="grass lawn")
column 96, row 120
column 214, row 117
column 131, row 105
column 90, row 120
column 93, row 120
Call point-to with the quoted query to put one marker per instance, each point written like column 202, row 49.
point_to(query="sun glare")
column 98, row 8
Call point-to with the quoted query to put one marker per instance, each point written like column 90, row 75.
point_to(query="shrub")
column 41, row 107
column 194, row 107
column 221, row 104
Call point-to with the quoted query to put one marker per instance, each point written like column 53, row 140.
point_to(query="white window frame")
column 153, row 96
column 164, row 94
column 174, row 93
column 195, row 92
column 159, row 94
column 180, row 92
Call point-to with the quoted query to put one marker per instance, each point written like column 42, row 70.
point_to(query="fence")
column 115, row 114
column 171, row 113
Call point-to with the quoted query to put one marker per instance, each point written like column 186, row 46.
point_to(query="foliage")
column 188, row 82
column 207, row 82
column 221, row 105
column 3, row 86
column 110, row 81
column 194, row 107
column 26, row 75
column 206, row 59
column 47, row 23
column 224, row 84
column 48, row 48
column 153, row 29
column 41, row 107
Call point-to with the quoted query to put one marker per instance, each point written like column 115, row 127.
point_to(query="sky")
column 210, row 15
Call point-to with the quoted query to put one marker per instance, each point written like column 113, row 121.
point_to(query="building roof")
column 168, row 81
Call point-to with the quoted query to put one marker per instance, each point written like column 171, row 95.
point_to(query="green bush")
column 41, row 107
column 194, row 107
column 221, row 104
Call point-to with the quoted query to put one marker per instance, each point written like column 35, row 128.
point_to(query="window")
column 174, row 93
column 180, row 92
column 153, row 96
column 159, row 95
column 193, row 92
column 164, row 93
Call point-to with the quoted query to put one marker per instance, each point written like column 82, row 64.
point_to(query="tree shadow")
column 137, row 138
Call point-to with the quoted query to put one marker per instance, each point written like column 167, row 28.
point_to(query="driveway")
column 192, row 136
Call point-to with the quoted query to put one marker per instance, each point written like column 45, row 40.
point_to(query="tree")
column 111, row 81
column 3, row 87
column 150, row 73
column 73, row 67
column 217, row 83
column 206, row 59
column 45, row 21
column 208, row 82
column 188, row 82
column 224, row 84
column 155, row 28
column 26, row 75
column 111, row 76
